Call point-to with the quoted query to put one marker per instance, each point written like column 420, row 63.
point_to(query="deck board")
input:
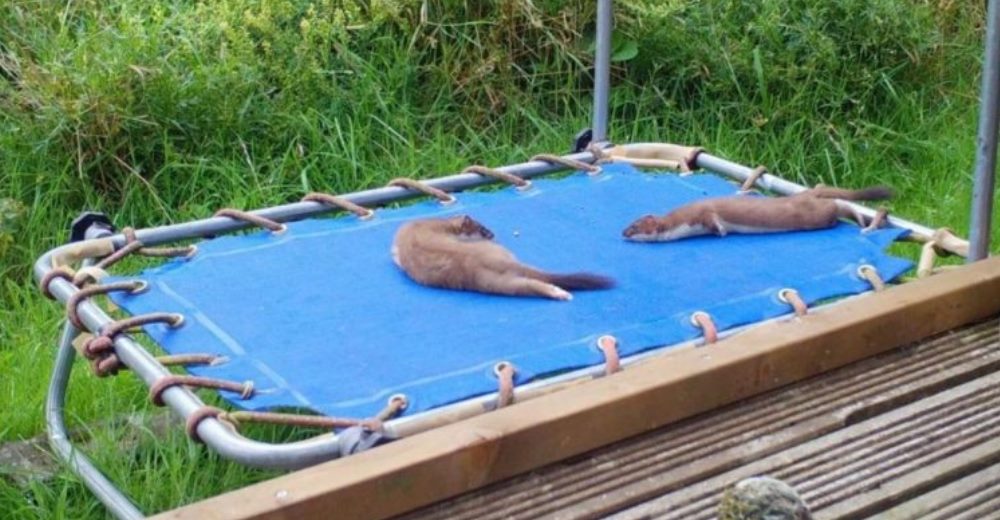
column 894, row 423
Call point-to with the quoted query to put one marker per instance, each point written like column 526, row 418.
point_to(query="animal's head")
column 468, row 228
column 663, row 229
column 643, row 230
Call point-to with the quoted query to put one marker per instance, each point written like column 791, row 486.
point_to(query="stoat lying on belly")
column 458, row 253
column 811, row 209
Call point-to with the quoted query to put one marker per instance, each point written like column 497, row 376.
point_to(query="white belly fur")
column 683, row 231
column 740, row 228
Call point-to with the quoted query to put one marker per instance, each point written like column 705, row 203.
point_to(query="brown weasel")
column 810, row 209
column 458, row 253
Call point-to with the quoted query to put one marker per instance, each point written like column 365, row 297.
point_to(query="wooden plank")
column 950, row 500
column 869, row 467
column 452, row 459
column 642, row 468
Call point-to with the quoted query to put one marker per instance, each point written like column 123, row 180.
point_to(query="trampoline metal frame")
column 299, row 454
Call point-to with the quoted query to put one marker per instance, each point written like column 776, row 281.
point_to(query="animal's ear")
column 467, row 221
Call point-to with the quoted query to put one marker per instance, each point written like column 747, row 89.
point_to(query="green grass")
column 161, row 112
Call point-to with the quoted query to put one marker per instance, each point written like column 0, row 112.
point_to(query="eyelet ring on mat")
column 399, row 398
column 608, row 346
column 141, row 286
column 791, row 297
column 504, row 371
column 500, row 367
column 868, row 273
column 393, row 407
column 703, row 321
column 176, row 320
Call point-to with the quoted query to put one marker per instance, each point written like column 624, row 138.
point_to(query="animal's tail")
column 873, row 193
column 578, row 281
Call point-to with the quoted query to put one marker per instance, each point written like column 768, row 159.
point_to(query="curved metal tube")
column 311, row 451
column 300, row 210
column 103, row 489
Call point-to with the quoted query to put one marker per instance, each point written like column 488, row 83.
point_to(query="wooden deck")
column 911, row 433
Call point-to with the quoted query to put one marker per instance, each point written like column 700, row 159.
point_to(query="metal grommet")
column 505, row 372
column 141, row 286
column 695, row 315
column 177, row 320
column 282, row 227
column 248, row 390
column 192, row 251
column 703, row 321
column 524, row 187
column 500, row 367
column 399, row 398
column 868, row 273
column 791, row 297
column 595, row 171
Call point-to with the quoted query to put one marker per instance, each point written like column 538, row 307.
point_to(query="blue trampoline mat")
column 320, row 318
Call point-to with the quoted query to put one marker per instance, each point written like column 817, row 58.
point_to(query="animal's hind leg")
column 844, row 211
column 848, row 212
column 514, row 285
column 547, row 290
column 877, row 220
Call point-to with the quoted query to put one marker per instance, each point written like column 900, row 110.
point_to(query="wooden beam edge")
column 447, row 461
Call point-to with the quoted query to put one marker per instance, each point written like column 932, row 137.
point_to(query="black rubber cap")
column 582, row 140
column 78, row 229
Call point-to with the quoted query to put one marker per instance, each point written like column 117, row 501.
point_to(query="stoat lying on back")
column 810, row 209
column 458, row 253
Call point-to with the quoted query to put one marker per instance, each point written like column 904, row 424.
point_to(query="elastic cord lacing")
column 702, row 320
column 572, row 164
column 339, row 202
column 485, row 171
column 250, row 218
column 608, row 345
column 505, row 383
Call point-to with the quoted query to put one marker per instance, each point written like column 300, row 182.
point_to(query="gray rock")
column 763, row 498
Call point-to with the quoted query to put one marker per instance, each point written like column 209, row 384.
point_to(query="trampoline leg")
column 98, row 484
column 105, row 491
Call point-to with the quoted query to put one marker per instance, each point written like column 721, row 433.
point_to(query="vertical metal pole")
column 986, row 142
column 602, row 71
column 59, row 438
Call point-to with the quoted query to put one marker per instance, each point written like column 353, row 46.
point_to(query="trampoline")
column 306, row 320
column 319, row 318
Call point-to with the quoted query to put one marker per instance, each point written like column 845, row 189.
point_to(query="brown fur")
column 458, row 253
column 810, row 209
